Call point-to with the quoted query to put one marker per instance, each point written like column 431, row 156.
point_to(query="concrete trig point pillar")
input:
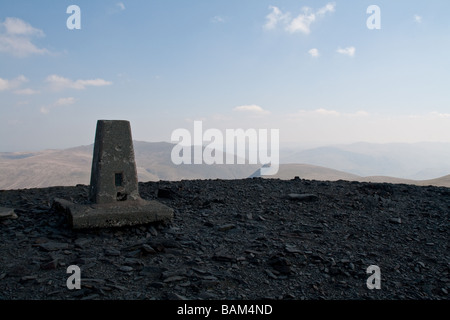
column 113, row 194
column 113, row 175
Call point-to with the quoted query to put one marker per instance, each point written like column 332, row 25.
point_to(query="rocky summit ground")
column 235, row 239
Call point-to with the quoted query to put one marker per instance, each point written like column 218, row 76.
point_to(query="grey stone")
column 112, row 252
column 148, row 249
column 53, row 246
column 7, row 213
column 28, row 278
column 395, row 220
column 175, row 296
column 226, row 227
column 292, row 249
column 174, row 278
column 270, row 274
column 126, row 268
column 153, row 231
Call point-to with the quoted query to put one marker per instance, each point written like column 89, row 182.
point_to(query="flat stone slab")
column 116, row 214
column 7, row 213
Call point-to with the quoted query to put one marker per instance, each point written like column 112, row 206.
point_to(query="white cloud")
column 218, row 19
column 328, row 8
column 274, row 17
column 6, row 84
column 58, row 83
column 15, row 38
column 121, row 5
column 325, row 112
column 16, row 26
column 64, row 101
column 360, row 113
column 349, row 51
column 440, row 115
column 417, row 18
column 253, row 108
column 26, row 92
column 58, row 103
column 301, row 23
column 44, row 110
column 314, row 52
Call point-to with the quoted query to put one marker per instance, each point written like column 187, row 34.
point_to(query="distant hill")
column 415, row 161
column 311, row 172
column 356, row 162
column 441, row 182
column 69, row 167
column 45, row 168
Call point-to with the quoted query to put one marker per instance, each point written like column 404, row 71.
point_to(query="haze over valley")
column 420, row 164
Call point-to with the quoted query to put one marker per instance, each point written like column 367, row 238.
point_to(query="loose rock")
column 236, row 239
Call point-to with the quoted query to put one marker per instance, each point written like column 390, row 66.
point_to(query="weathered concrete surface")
column 113, row 174
column 113, row 191
column 116, row 214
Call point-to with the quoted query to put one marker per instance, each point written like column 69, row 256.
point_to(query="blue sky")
column 311, row 69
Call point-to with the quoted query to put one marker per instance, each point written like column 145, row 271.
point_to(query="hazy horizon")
column 312, row 69
column 294, row 146
column 418, row 161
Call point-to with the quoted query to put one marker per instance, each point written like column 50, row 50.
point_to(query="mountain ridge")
column 72, row 166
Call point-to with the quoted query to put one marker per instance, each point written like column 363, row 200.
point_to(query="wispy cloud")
column 115, row 8
column 6, row 84
column 16, row 26
column 440, row 115
column 301, row 23
column 16, row 38
column 58, row 83
column 417, row 18
column 58, row 103
column 325, row 112
column 349, row 51
column 44, row 110
column 360, row 113
column 322, row 112
column 217, row 19
column 275, row 17
column 64, row 101
column 253, row 108
column 26, row 92
column 314, row 52
column 330, row 7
